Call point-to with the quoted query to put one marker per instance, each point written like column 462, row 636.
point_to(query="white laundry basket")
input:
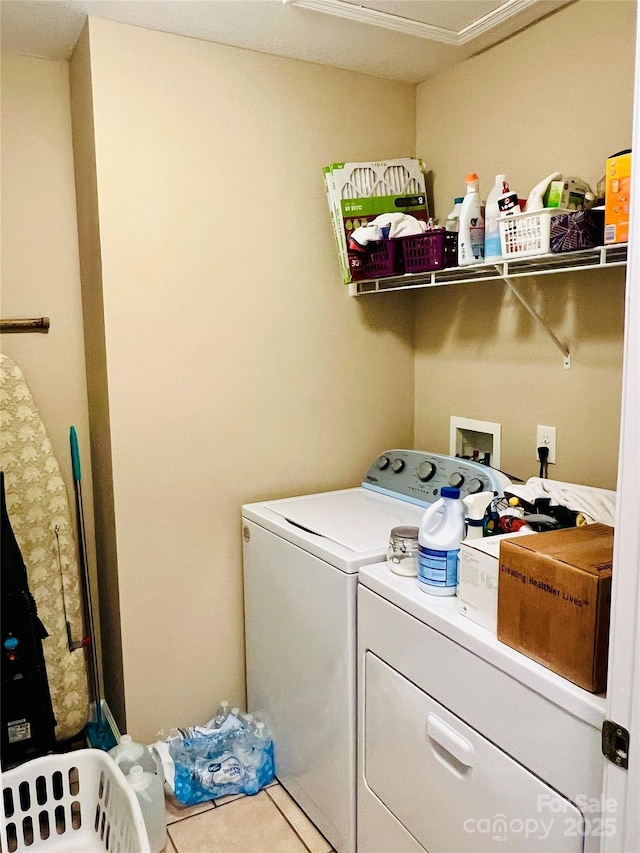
column 78, row 802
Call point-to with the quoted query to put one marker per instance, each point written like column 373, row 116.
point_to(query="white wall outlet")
column 474, row 439
column 546, row 437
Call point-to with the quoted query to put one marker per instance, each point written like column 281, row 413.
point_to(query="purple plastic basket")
column 433, row 250
column 378, row 260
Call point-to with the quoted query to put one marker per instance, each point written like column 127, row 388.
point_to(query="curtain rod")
column 33, row 324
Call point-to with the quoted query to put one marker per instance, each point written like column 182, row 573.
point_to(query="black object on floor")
column 27, row 719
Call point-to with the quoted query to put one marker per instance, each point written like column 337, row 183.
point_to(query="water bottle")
column 263, row 745
column 150, row 793
column 128, row 753
column 441, row 531
column 221, row 715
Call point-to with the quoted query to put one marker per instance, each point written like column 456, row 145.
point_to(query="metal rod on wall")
column 34, row 324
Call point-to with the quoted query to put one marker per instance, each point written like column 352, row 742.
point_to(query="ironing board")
column 38, row 506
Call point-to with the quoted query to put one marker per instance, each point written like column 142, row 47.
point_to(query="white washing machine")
column 464, row 744
column 301, row 561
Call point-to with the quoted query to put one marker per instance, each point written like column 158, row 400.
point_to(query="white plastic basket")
column 78, row 802
column 526, row 234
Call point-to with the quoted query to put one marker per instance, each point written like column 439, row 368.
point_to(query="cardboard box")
column 567, row 195
column 554, row 599
column 617, row 199
column 478, row 572
column 577, row 229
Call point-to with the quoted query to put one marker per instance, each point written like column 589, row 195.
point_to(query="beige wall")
column 557, row 96
column 40, row 271
column 238, row 368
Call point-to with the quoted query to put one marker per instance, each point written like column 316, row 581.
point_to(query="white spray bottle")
column 476, row 507
column 471, row 228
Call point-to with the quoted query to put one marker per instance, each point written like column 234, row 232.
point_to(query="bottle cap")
column 449, row 492
column 470, row 178
column 137, row 779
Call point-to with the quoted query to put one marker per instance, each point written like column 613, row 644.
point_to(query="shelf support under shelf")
column 540, row 320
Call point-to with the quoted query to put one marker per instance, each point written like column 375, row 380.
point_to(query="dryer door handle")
column 450, row 740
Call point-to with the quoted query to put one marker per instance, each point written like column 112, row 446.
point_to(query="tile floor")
column 268, row 822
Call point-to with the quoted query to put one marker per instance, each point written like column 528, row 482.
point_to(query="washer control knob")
column 383, row 462
column 475, row 486
column 456, row 480
column 426, row 471
column 397, row 465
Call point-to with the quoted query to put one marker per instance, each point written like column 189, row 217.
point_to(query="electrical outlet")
column 546, row 437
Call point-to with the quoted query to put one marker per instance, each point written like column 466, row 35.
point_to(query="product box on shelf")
column 554, row 599
column 358, row 192
column 617, row 198
column 478, row 578
column 568, row 194
column 577, row 229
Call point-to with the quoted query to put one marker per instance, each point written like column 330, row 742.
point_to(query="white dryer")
column 464, row 744
column 302, row 556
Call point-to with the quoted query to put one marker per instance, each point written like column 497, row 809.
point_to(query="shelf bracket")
column 540, row 320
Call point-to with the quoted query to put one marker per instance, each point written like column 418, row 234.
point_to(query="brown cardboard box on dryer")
column 554, row 598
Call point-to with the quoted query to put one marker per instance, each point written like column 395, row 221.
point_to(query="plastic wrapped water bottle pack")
column 231, row 754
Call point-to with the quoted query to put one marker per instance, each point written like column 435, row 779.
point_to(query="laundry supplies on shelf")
column 387, row 226
column 492, row 249
column 569, row 194
column 535, row 200
column 359, row 192
column 617, row 197
column 452, row 222
column 471, row 231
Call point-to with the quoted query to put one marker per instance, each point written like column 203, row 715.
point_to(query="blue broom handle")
column 75, row 455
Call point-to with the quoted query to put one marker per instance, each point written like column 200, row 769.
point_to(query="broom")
column 98, row 733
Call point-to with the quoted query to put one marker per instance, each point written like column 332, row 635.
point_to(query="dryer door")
column 451, row 788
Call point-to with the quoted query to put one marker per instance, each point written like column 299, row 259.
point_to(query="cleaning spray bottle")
column 471, row 230
column 452, row 222
column 441, row 532
column 476, row 506
column 492, row 248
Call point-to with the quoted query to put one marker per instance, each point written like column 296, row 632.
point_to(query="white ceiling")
column 441, row 32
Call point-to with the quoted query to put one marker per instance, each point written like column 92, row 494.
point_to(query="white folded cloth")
column 596, row 505
column 386, row 226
